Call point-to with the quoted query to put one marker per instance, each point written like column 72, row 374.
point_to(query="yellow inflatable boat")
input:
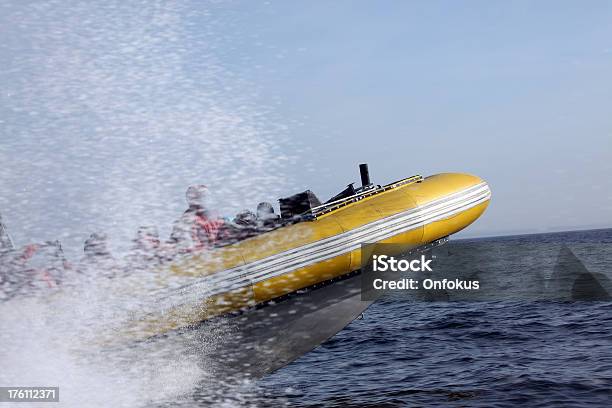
column 314, row 243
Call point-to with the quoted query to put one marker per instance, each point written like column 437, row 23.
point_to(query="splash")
column 113, row 110
column 109, row 112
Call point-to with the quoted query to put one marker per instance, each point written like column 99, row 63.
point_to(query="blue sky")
column 109, row 111
column 516, row 92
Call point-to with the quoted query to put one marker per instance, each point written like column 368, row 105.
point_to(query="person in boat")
column 245, row 218
column 247, row 224
column 147, row 244
column 6, row 243
column 197, row 229
column 31, row 268
column 97, row 259
column 266, row 218
column 6, row 255
column 147, row 250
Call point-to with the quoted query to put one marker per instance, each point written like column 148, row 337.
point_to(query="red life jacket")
column 204, row 231
column 37, row 273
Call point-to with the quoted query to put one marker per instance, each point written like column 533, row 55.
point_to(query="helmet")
column 96, row 244
column 245, row 218
column 147, row 237
column 265, row 211
column 147, row 232
column 197, row 195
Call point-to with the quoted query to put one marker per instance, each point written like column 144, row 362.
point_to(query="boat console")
column 306, row 206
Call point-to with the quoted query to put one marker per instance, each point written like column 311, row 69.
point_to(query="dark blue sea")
column 461, row 354
column 519, row 344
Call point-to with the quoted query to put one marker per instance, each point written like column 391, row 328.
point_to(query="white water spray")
column 109, row 111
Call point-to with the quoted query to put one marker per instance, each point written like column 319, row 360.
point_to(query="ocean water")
column 485, row 354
